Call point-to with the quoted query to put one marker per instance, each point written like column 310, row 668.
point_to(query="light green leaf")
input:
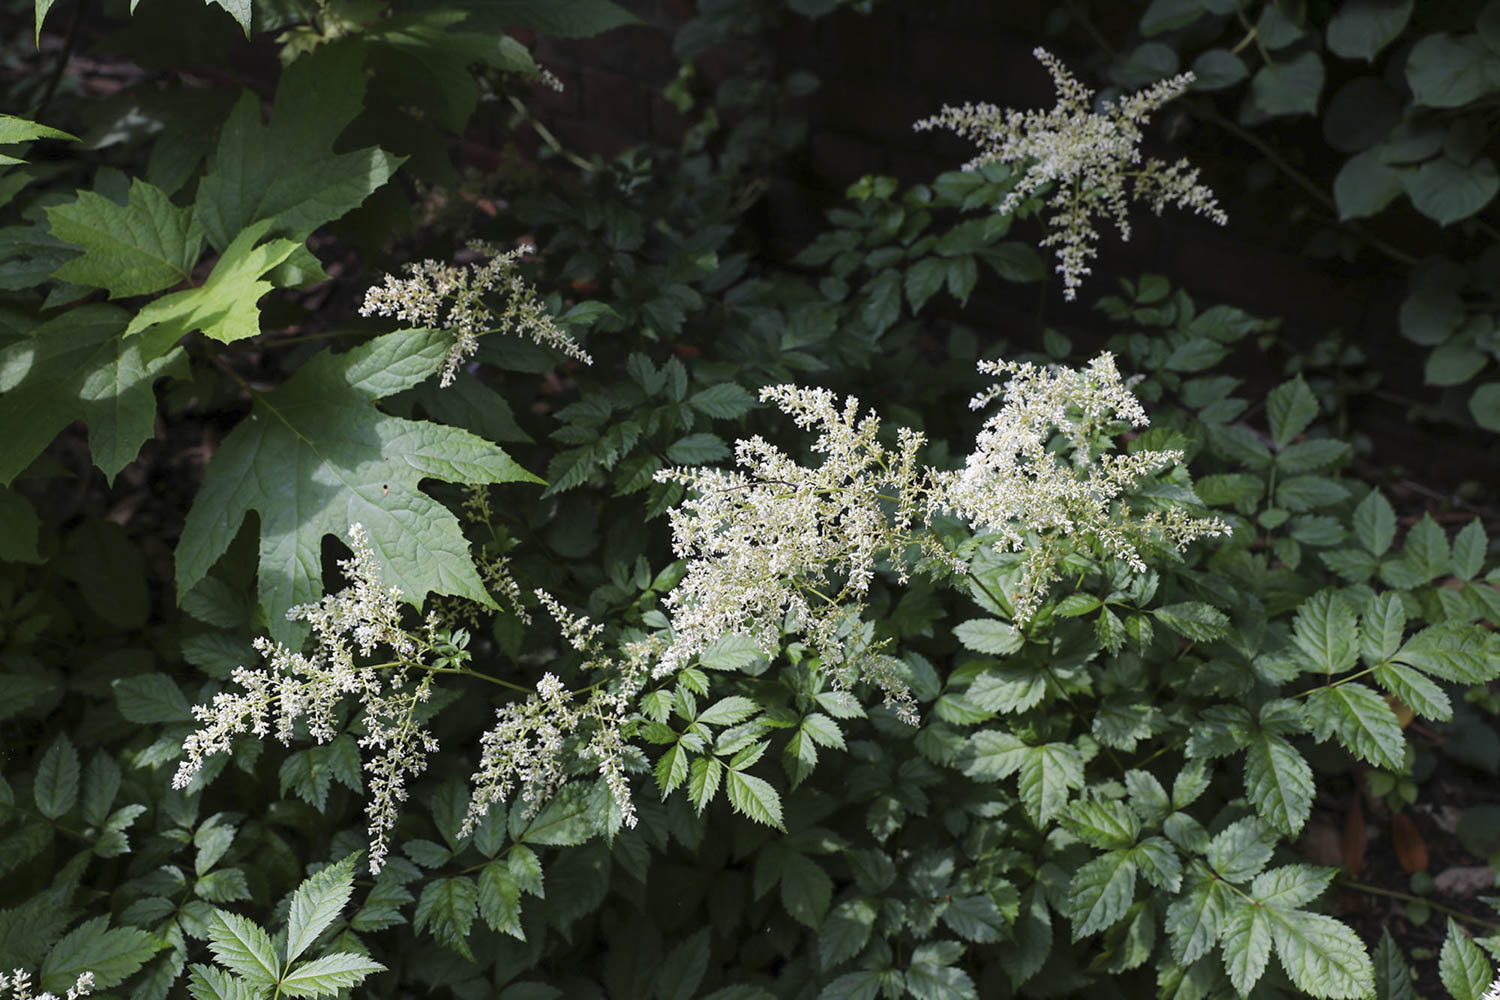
column 1361, row 28
column 728, row 711
column 140, row 247
column 1159, row 863
column 703, row 781
column 1454, row 651
column 989, row 635
column 1445, row 190
column 1241, row 850
column 975, row 918
column 447, row 906
column 243, row 948
column 205, row 982
column 327, row 975
column 224, row 307
column 754, row 797
column 286, row 172
column 1381, row 631
column 565, row 822
column 1418, row 693
column 1009, row 687
column 1247, row 945
column 1102, row 823
column 1321, row 956
column 1469, row 550
column 1047, row 772
column 1291, row 886
column 500, row 900
column 16, row 130
column 1278, row 782
column 316, row 903
column 111, row 954
column 56, row 789
column 1100, row 893
column 76, row 365
column 1462, row 966
column 316, row 456
column 1196, row 919
column 1365, row 724
column 731, row 652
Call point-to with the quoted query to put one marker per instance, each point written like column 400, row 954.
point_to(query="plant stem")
column 75, row 24
column 1376, row 890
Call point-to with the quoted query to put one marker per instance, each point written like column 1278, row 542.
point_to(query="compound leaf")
column 316, row 903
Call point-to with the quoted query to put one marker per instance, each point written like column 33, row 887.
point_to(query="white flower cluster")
column 1493, row 993
column 525, row 746
column 770, row 542
column 293, row 686
column 19, row 983
column 450, row 297
column 765, row 545
column 1087, row 155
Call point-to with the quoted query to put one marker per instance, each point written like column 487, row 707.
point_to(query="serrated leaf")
column 1454, row 651
column 111, row 954
column 1321, row 956
column 1375, row 523
column 208, row 983
column 328, row 974
column 242, row 947
column 1325, row 630
column 151, row 698
column 1278, row 782
column 1196, row 919
column 731, row 652
column 56, row 788
column 806, row 889
column 1469, row 549
column 1240, row 850
column 447, row 906
column 137, row 248
column 1047, row 772
column 1462, row 966
column 1291, row 886
column 565, row 822
column 1392, row 974
column 316, row 903
column 723, row 401
column 684, row 968
column 224, row 307
column 500, row 900
column 1290, row 407
column 286, row 172
column 989, row 635
column 315, row 456
column 1364, row 723
column 697, row 449
column 1415, row 690
column 754, row 797
column 1100, row 893
column 1193, row 620
column 728, row 711
column 846, row 931
column 1247, row 945
column 703, row 781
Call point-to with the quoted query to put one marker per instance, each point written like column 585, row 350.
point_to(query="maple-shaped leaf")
column 140, row 247
column 77, row 366
column 287, row 171
column 223, row 307
column 16, row 130
column 315, row 455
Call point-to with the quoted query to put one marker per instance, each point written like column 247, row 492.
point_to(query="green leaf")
column 1484, row 406
column 684, row 968
column 1469, row 549
column 560, row 18
column 327, row 975
column 16, row 130
column 1290, row 407
column 112, row 955
column 754, row 797
column 224, row 306
column 731, row 652
column 1375, row 523
column 1382, row 628
column 140, row 247
column 1196, row 919
column 565, row 822
column 1418, row 693
column 286, row 172
column 806, row 889
column 703, row 781
column 1326, row 631
column 923, row 279
column 447, row 906
column 1289, row 86
column 500, row 900
column 1047, row 772
column 1291, row 886
column 728, row 711
column 846, row 931
column 1216, row 69
column 1159, row 863
column 72, row 366
column 1392, row 974
column 223, row 886
column 1447, row 72
column 208, row 983
column 697, row 449
column 1462, row 966
column 1454, row 651
column 56, row 789
column 151, row 698
column 989, row 635
column 1240, row 850
column 723, row 401
column 315, row 455
column 1247, row 945
column 1445, row 190
column 1194, row 620
column 1364, row 185
column 1278, row 782
column 1321, row 956
column 1100, row 893
column 1103, row 824
column 243, row 948
column 316, row 903
column 101, row 783
column 1361, row 28
column 1363, row 721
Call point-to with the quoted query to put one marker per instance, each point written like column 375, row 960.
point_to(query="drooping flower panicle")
column 1088, row 155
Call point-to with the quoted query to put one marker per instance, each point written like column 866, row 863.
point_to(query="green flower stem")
column 1459, row 915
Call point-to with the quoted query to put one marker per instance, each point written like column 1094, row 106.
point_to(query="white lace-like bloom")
column 781, row 539
column 1089, row 156
column 19, row 983
column 1029, row 498
column 451, row 297
column 1493, row 993
column 293, row 686
column 524, row 749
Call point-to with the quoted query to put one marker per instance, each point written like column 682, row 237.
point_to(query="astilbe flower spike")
column 1088, row 155
column 19, row 984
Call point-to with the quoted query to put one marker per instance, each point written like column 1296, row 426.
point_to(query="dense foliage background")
column 1281, row 743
